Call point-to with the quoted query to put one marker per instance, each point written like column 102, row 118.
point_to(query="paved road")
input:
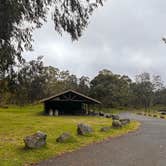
column 146, row 147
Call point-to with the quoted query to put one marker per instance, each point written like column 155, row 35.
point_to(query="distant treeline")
column 34, row 81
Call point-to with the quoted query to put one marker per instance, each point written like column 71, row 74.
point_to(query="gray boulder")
column 125, row 121
column 96, row 113
column 163, row 113
column 64, row 137
column 105, row 129
column 93, row 113
column 108, row 115
column 115, row 117
column 36, row 140
column 84, row 129
column 101, row 114
column 116, row 124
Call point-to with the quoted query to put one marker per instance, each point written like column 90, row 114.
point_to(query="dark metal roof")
column 71, row 91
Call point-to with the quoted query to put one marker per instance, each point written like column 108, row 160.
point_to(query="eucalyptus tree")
column 111, row 89
column 146, row 89
column 19, row 18
column 84, row 85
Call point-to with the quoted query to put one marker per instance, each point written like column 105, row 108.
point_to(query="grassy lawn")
column 117, row 110
column 17, row 122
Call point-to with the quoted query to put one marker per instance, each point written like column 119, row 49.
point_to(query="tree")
column 105, row 72
column 52, row 75
column 71, row 82
column 84, row 85
column 34, row 81
column 31, row 82
column 20, row 17
column 160, row 97
column 111, row 89
column 143, row 90
column 157, row 83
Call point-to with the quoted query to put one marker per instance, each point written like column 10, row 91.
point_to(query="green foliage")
column 34, row 81
column 19, row 18
column 112, row 90
column 145, row 89
column 18, row 122
column 120, row 91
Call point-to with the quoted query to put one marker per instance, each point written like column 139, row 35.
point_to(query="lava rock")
column 163, row 113
column 101, row 114
column 93, row 113
column 115, row 117
column 36, row 140
column 125, row 121
column 116, row 124
column 84, row 129
column 108, row 115
column 64, row 137
column 105, row 129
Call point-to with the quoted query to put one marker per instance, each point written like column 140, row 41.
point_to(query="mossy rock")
column 116, row 124
column 124, row 121
column 84, row 129
column 35, row 141
column 65, row 137
column 105, row 129
column 115, row 117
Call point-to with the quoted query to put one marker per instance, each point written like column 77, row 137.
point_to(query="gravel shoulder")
column 145, row 147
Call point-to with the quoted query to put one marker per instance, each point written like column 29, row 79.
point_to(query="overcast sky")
column 124, row 36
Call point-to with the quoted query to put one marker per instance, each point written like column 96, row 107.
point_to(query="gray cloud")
column 123, row 36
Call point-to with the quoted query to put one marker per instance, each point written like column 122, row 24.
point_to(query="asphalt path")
column 145, row 147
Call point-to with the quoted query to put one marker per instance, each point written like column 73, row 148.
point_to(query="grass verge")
column 16, row 123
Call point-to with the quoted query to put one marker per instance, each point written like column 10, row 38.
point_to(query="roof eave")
column 87, row 97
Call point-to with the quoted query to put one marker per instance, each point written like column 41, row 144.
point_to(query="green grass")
column 18, row 122
column 151, row 111
column 152, row 114
column 111, row 110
